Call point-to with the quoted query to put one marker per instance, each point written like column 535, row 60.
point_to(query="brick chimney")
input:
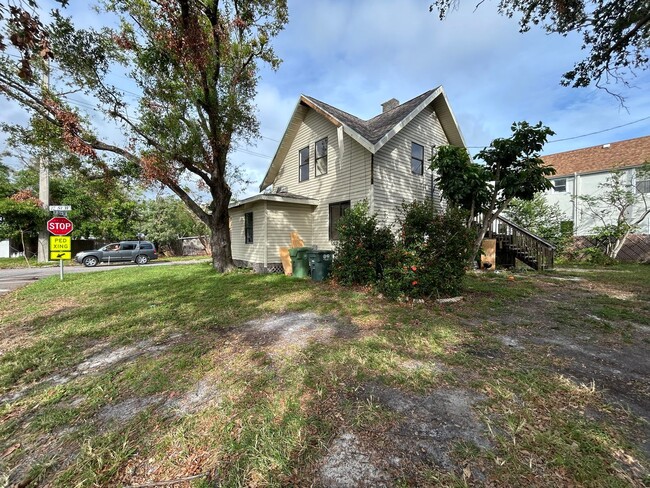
column 389, row 105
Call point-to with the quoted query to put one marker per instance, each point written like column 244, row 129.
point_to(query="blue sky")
column 357, row 54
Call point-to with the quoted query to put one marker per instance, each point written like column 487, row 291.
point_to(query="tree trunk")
column 220, row 246
column 485, row 225
column 619, row 245
column 220, row 229
column 22, row 241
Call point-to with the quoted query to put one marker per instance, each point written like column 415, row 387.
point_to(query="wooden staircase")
column 514, row 242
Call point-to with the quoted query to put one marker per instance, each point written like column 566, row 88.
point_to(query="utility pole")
column 44, row 185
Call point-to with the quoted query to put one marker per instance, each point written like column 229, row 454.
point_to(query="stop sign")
column 59, row 226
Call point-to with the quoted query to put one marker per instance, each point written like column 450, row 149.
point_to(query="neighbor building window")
column 248, row 227
column 337, row 210
column 417, row 159
column 303, row 161
column 321, row 157
column 559, row 185
column 643, row 186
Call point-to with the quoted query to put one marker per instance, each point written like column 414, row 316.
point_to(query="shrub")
column 431, row 255
column 362, row 247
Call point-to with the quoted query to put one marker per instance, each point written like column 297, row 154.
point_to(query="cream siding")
column 255, row 252
column 346, row 179
column 393, row 181
column 282, row 220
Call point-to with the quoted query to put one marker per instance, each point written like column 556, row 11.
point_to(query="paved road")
column 11, row 279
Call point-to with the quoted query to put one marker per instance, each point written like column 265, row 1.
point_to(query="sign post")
column 60, row 243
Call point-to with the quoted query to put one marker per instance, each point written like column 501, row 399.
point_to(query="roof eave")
column 275, row 197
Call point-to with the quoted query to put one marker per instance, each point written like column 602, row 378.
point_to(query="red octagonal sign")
column 59, row 226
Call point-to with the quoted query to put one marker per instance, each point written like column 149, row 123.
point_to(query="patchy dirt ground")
column 446, row 434
column 610, row 356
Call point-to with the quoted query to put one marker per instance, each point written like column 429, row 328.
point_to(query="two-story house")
column 584, row 171
column 328, row 160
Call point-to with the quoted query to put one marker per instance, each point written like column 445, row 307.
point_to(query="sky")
column 358, row 54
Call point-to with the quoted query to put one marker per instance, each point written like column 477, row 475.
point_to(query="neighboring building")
column 580, row 172
column 5, row 249
column 328, row 160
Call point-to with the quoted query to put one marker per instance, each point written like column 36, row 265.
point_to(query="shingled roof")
column 374, row 129
column 371, row 134
column 615, row 155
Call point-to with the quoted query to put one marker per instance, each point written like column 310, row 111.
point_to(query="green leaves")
column 17, row 217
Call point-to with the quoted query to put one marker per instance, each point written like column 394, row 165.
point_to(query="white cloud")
column 356, row 55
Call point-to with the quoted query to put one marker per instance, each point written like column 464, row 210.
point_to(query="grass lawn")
column 20, row 262
column 153, row 374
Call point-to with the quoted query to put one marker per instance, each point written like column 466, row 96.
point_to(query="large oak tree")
column 195, row 63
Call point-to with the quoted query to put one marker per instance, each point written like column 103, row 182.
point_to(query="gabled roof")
column 605, row 157
column 371, row 134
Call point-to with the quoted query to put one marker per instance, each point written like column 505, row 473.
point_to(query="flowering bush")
column 430, row 257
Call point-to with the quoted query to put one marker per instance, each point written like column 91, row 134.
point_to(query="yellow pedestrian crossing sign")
column 56, row 255
column 60, row 243
column 60, row 247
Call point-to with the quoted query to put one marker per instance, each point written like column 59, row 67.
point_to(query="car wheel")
column 141, row 259
column 90, row 261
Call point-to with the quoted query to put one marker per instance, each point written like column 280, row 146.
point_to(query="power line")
column 581, row 135
column 600, row 131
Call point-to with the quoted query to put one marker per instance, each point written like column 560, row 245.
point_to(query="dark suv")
column 140, row 252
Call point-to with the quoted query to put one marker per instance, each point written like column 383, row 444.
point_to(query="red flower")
column 414, row 283
column 414, row 268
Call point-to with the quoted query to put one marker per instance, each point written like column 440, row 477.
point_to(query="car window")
column 128, row 246
column 110, row 247
column 146, row 245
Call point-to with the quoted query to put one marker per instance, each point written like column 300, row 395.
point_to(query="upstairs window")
column 337, row 210
column 303, row 162
column 321, row 157
column 417, row 159
column 559, row 185
column 643, row 186
column 248, row 227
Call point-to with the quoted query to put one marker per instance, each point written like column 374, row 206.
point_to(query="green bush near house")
column 362, row 247
column 431, row 254
column 428, row 259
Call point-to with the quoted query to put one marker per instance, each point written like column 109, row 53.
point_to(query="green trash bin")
column 299, row 261
column 320, row 263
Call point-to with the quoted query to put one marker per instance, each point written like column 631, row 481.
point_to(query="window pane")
column 303, row 162
column 321, row 148
column 643, row 186
column 560, row 185
column 321, row 157
column 304, row 172
column 337, row 210
column 417, row 151
column 248, row 227
column 416, row 167
column 417, row 159
column 304, row 156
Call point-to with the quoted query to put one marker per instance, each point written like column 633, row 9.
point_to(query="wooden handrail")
column 524, row 231
column 533, row 250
